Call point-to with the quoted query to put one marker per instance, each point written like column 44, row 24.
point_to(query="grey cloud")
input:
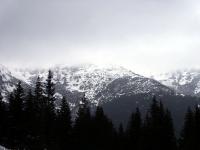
column 133, row 33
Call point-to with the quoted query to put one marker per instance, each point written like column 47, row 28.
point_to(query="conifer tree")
column 104, row 131
column 39, row 108
column 39, row 95
column 197, row 127
column 31, row 122
column 64, row 125
column 50, row 90
column 121, row 131
column 3, row 120
column 191, row 131
column 134, row 130
column 19, row 115
column 158, row 129
column 120, row 138
column 19, row 100
column 168, row 132
column 187, row 135
column 49, row 113
column 16, row 118
column 82, row 126
column 146, row 133
column 11, row 122
column 29, row 106
column 45, row 113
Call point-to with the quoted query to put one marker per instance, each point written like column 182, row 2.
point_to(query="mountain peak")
column 186, row 81
column 4, row 70
column 99, row 83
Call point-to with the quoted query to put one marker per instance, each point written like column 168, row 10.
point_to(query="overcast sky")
column 147, row 36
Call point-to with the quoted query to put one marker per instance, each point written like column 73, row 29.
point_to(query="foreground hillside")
column 122, row 107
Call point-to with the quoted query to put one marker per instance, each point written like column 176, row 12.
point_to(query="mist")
column 146, row 36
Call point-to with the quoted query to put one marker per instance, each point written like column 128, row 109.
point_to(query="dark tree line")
column 31, row 121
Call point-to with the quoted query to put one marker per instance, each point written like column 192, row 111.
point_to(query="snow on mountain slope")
column 100, row 84
column 186, row 82
column 7, row 81
column 90, row 79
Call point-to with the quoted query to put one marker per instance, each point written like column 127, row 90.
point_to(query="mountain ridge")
column 100, row 84
column 186, row 81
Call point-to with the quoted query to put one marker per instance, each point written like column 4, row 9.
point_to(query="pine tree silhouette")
column 168, row 132
column 40, row 111
column 39, row 95
column 31, row 122
column 134, row 130
column 120, row 138
column 49, row 113
column 3, row 120
column 191, row 131
column 158, row 129
column 82, row 126
column 16, row 118
column 188, row 132
column 197, row 127
column 104, row 132
column 64, row 126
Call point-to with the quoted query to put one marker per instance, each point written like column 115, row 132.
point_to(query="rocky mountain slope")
column 100, row 84
column 186, row 82
column 7, row 81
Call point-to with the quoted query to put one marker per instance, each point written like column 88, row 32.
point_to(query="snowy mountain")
column 186, row 82
column 100, row 84
column 7, row 81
